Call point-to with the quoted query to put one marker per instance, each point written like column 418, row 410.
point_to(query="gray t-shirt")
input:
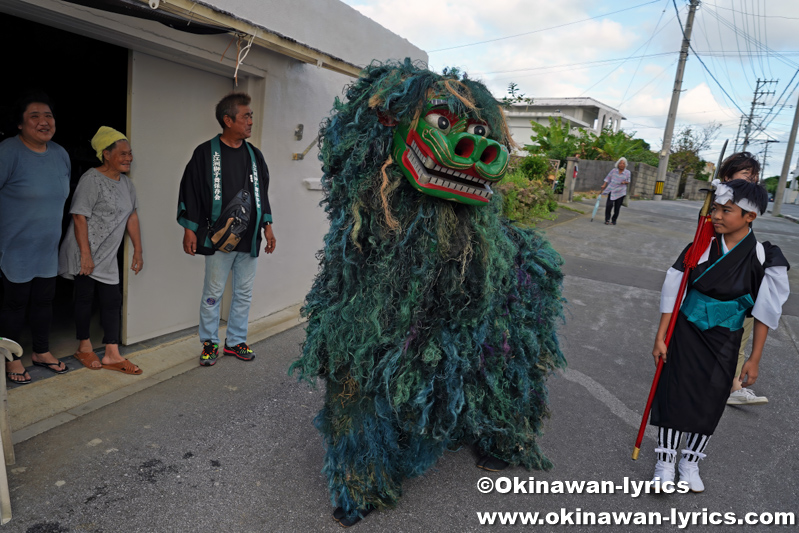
column 107, row 204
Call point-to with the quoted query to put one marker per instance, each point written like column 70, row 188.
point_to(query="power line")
column 596, row 61
column 600, row 80
column 722, row 21
column 721, row 43
column 761, row 125
column 738, row 44
column 654, row 32
column 649, row 82
column 784, row 101
column 542, row 29
column 702, row 62
column 761, row 16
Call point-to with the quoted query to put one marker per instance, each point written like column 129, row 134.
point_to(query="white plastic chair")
column 8, row 348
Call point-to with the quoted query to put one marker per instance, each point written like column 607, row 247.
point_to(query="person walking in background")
column 34, row 185
column 223, row 173
column 616, row 182
column 103, row 207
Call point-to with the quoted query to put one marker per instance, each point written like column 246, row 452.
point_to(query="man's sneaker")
column 746, row 397
column 210, row 353
column 241, row 350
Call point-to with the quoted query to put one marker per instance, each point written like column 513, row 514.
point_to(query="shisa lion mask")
column 450, row 156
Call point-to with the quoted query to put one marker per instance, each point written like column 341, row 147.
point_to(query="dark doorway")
column 87, row 81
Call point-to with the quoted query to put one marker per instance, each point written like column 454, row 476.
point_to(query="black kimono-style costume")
column 202, row 195
column 749, row 280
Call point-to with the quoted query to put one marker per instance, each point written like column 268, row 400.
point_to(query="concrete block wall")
column 644, row 178
column 693, row 189
column 591, row 174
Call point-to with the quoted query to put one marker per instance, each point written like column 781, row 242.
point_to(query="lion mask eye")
column 478, row 129
column 439, row 122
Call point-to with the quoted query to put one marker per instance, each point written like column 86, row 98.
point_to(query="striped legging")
column 669, row 442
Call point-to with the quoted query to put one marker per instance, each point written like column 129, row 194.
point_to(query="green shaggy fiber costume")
column 431, row 322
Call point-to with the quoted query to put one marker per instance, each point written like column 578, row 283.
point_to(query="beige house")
column 156, row 69
column 586, row 113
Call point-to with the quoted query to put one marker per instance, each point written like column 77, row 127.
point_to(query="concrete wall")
column 591, row 174
column 643, row 182
column 327, row 25
column 693, row 189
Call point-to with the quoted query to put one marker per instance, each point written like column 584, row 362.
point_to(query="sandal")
column 20, row 382
column 126, row 367
column 52, row 367
column 87, row 358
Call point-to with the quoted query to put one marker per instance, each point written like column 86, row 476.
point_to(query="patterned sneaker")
column 746, row 397
column 242, row 351
column 210, row 353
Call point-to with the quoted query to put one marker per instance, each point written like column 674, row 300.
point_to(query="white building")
column 586, row 113
column 160, row 85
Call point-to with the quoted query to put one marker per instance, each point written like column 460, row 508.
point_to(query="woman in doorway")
column 104, row 206
column 34, row 184
column 616, row 182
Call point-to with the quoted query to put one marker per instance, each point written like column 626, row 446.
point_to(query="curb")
column 46, row 404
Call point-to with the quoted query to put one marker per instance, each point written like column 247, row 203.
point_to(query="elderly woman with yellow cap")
column 103, row 208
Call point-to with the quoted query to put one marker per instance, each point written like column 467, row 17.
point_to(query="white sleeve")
column 671, row 286
column 773, row 293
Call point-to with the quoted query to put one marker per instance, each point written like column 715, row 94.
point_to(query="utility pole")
column 738, row 135
column 663, row 160
column 765, row 159
column 755, row 102
column 775, row 211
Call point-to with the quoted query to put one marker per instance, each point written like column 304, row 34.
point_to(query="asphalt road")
column 232, row 448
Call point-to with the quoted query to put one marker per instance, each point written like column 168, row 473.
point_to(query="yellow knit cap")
column 104, row 138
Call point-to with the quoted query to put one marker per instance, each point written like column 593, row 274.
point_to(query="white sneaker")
column 746, row 397
column 689, row 473
column 664, row 471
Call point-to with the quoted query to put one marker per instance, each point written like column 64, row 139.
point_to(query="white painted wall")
column 327, row 25
column 294, row 94
column 164, row 130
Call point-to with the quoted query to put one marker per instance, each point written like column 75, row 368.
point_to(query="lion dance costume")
column 432, row 320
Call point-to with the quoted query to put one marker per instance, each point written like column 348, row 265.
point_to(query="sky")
column 623, row 53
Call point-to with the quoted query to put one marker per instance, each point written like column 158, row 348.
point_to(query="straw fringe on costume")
column 432, row 323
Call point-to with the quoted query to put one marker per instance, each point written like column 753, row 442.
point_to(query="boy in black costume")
column 736, row 276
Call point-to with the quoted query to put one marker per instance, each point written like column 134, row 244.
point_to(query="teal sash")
column 706, row 312
column 216, row 186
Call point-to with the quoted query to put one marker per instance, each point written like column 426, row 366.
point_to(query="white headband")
column 724, row 195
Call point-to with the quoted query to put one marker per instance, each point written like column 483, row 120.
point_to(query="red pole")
column 704, row 220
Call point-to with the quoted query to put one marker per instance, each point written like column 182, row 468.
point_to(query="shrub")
column 534, row 166
column 524, row 199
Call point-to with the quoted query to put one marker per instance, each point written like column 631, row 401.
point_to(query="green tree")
column 514, row 96
column 688, row 143
column 771, row 184
column 610, row 146
column 554, row 141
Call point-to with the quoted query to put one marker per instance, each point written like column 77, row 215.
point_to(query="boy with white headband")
column 736, row 276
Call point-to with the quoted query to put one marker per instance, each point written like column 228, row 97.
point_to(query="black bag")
column 232, row 223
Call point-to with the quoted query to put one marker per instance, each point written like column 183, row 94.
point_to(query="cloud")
column 573, row 60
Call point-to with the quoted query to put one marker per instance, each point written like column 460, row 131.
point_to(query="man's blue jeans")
column 217, row 269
